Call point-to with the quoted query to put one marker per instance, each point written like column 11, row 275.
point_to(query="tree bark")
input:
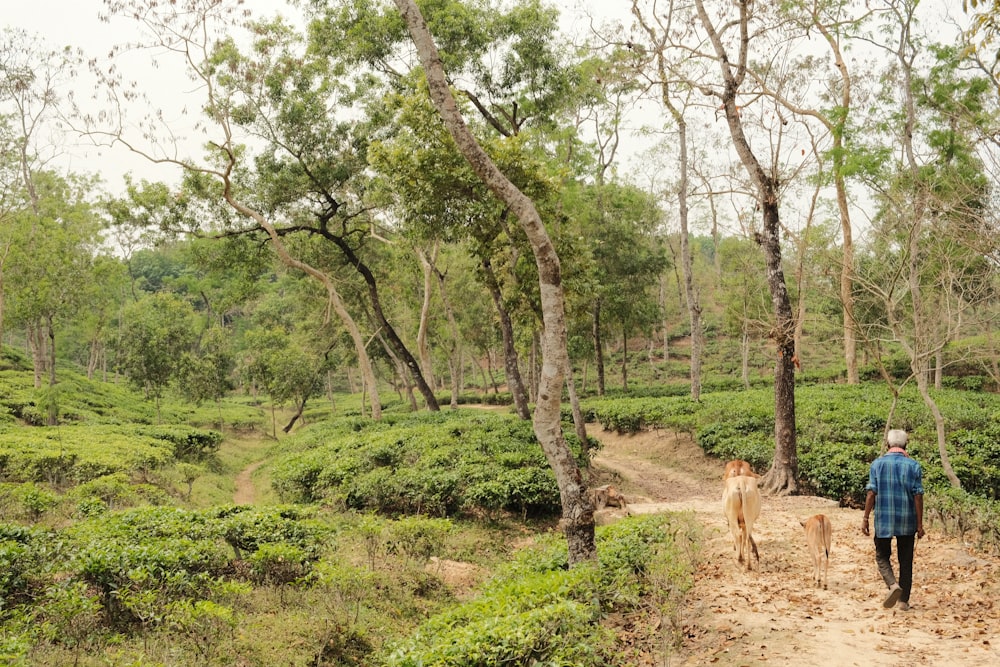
column 426, row 365
column 364, row 361
column 782, row 478
column 578, row 422
column 511, row 363
column 577, row 510
column 391, row 335
column 690, row 294
column 598, row 348
column 455, row 354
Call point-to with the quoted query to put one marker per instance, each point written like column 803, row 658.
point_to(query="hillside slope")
column 773, row 615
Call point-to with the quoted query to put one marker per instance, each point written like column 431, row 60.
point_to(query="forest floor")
column 773, row 615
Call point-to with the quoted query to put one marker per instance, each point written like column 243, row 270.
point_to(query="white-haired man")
column 896, row 494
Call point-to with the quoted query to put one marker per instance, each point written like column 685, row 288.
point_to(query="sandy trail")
column 773, row 615
column 246, row 493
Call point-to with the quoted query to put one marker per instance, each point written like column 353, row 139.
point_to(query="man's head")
column 897, row 438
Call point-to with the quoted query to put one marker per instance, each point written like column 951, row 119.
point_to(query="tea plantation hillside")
column 119, row 543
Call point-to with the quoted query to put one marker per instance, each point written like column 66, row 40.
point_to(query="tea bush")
column 537, row 611
column 436, row 464
column 74, row 454
column 840, row 429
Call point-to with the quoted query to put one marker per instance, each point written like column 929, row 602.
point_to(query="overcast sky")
column 76, row 23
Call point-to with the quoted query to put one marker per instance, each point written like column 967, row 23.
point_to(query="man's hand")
column 920, row 532
column 864, row 526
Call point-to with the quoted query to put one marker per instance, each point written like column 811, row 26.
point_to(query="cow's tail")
column 740, row 519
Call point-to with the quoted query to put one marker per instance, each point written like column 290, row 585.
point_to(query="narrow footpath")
column 246, row 493
column 773, row 615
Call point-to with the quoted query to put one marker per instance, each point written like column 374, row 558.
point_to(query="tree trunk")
column 745, row 358
column 938, row 369
column 665, row 324
column 578, row 422
column 426, row 365
column 296, row 417
column 455, row 354
column 598, row 348
column 53, row 411
column 391, row 335
column 406, row 391
column 624, row 358
column 577, row 510
column 782, row 478
column 364, row 361
column 36, row 343
column 691, row 294
column 511, row 363
column 939, row 429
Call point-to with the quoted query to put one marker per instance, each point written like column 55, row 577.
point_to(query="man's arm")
column 870, row 505
column 918, row 504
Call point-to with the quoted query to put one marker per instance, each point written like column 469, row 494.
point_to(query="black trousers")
column 904, row 553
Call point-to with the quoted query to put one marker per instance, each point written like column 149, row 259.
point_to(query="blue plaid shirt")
column 895, row 478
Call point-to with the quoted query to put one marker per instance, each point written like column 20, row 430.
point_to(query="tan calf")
column 741, row 503
column 736, row 468
column 819, row 532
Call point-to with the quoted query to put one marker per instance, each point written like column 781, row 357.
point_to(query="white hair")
column 896, row 437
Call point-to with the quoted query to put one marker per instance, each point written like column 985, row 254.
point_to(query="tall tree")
column 51, row 263
column 238, row 90
column 577, row 510
column 783, row 475
column 676, row 97
column 154, row 335
column 935, row 219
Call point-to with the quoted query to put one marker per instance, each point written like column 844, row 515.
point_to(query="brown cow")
column 741, row 503
column 738, row 467
column 608, row 496
column 819, row 532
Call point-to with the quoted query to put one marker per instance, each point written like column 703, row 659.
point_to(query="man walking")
column 896, row 493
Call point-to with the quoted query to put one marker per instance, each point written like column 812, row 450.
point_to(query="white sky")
column 76, row 23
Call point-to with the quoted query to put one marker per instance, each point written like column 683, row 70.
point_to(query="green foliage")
column 418, row 537
column 73, row 454
column 189, row 444
column 70, row 614
column 117, row 491
column 839, row 434
column 966, row 515
column 26, row 558
column 537, row 611
column 156, row 332
column 280, row 563
column 26, row 501
column 206, row 626
column 247, row 529
column 437, row 464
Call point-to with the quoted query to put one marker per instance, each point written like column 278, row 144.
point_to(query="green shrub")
column 27, row 556
column 438, row 464
column 188, row 444
column 279, row 563
column 966, row 515
column 74, row 454
column 537, row 611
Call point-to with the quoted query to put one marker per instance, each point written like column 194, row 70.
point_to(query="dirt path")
column 772, row 615
column 245, row 493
